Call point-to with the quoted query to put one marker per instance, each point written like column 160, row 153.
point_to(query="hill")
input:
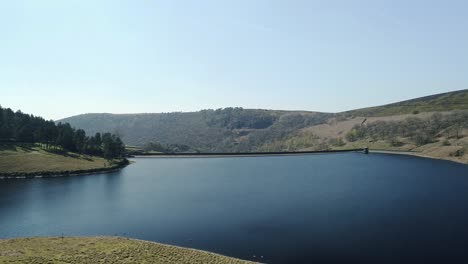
column 101, row 250
column 237, row 129
column 450, row 101
column 228, row 129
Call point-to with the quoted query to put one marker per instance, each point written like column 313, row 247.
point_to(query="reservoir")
column 329, row 208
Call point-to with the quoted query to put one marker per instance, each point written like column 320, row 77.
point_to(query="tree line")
column 238, row 117
column 168, row 148
column 24, row 128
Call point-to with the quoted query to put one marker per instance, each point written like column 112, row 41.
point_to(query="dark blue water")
column 350, row 208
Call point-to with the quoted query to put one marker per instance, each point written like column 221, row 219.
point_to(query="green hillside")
column 228, row 129
column 31, row 145
column 32, row 159
column 237, row 129
column 451, row 101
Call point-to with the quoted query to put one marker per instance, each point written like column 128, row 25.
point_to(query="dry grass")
column 437, row 150
column 311, row 138
column 101, row 250
column 16, row 159
column 335, row 128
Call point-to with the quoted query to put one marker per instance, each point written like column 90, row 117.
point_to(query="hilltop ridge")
column 450, row 101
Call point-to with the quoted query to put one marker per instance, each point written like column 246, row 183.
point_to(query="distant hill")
column 228, row 129
column 451, row 101
column 237, row 129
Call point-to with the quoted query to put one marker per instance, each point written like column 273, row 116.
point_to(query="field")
column 32, row 159
column 101, row 250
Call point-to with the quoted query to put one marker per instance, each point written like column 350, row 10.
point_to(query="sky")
column 63, row 58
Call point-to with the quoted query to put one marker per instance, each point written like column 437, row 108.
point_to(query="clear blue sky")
column 62, row 58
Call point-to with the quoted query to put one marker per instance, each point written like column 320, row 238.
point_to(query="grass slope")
column 451, row 101
column 32, row 159
column 444, row 144
column 101, row 250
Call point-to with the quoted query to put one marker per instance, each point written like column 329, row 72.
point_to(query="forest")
column 18, row 127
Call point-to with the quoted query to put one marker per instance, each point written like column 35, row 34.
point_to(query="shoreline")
column 182, row 248
column 90, row 249
column 256, row 154
column 124, row 163
column 243, row 154
column 53, row 174
column 415, row 154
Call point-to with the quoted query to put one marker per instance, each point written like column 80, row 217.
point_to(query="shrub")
column 458, row 153
column 421, row 139
column 351, row 136
column 394, row 142
column 337, row 142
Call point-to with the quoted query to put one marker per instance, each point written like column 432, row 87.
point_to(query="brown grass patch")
column 101, row 250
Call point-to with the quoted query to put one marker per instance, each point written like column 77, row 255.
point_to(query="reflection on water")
column 302, row 209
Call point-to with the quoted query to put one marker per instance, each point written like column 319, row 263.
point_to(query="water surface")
column 351, row 208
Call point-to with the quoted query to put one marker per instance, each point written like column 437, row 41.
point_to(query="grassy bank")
column 443, row 149
column 101, row 250
column 31, row 160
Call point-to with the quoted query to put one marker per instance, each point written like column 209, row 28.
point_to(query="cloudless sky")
column 62, row 58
